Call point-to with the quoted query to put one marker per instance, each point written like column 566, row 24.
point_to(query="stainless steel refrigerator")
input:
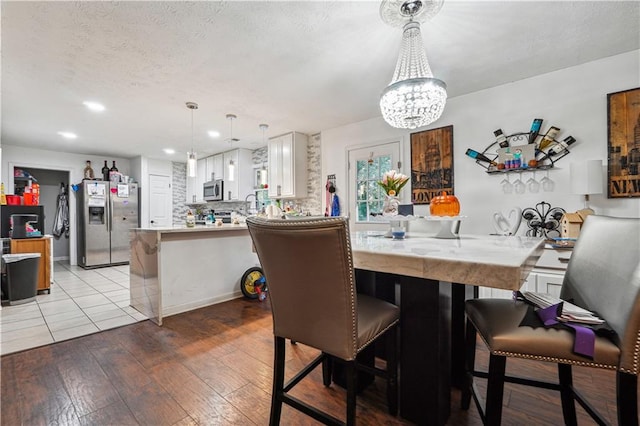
column 106, row 213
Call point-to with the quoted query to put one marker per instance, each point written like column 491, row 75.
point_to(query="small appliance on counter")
column 6, row 212
column 24, row 226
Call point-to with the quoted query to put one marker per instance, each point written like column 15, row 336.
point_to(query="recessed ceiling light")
column 68, row 135
column 213, row 133
column 94, row 106
column 169, row 151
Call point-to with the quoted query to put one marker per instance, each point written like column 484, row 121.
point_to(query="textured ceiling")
column 305, row 66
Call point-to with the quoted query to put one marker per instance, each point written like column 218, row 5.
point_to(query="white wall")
column 574, row 99
column 17, row 156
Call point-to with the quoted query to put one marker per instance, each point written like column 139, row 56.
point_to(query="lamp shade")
column 586, row 177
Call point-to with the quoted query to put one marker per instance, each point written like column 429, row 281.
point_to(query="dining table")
column 430, row 279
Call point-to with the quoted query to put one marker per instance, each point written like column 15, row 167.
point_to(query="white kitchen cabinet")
column 549, row 283
column 208, row 169
column 194, row 185
column 215, row 167
column 288, row 166
column 239, row 183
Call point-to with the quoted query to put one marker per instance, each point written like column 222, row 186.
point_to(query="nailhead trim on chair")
column 635, row 357
column 354, row 326
column 548, row 358
column 378, row 335
column 555, row 360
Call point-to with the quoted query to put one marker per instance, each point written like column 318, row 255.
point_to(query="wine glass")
column 507, row 186
column 547, row 184
column 519, row 185
column 532, row 184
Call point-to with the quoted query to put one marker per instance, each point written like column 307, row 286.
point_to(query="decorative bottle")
column 88, row 171
column 501, row 138
column 105, row 171
column 549, row 137
column 113, row 168
column 480, row 157
column 561, row 146
column 535, row 129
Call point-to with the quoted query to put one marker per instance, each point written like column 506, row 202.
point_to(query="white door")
column 366, row 167
column 160, row 201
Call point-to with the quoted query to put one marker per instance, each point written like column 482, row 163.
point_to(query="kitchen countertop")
column 197, row 228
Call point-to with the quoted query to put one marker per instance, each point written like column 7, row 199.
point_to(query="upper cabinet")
column 238, row 174
column 215, row 169
column 288, row 166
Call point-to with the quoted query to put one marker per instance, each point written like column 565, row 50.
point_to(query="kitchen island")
column 174, row 270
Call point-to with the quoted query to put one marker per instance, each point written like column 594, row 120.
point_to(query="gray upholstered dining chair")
column 603, row 275
column 309, row 269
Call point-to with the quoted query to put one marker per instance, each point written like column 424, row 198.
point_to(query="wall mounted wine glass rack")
column 525, row 151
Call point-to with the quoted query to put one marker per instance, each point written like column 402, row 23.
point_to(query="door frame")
column 73, row 225
column 400, row 140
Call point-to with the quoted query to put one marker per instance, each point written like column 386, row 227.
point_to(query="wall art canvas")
column 623, row 110
column 431, row 164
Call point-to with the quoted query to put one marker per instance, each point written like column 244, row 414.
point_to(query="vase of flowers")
column 392, row 182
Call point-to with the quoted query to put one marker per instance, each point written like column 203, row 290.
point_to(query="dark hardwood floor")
column 213, row 367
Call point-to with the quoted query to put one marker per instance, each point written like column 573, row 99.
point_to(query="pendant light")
column 414, row 98
column 192, row 158
column 231, row 166
column 263, row 170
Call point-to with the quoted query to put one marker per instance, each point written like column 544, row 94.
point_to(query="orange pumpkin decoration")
column 444, row 205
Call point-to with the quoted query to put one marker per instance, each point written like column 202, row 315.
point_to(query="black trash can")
column 21, row 284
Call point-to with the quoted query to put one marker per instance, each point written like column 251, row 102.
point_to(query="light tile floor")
column 80, row 302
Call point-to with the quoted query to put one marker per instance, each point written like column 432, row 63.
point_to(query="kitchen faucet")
column 247, row 203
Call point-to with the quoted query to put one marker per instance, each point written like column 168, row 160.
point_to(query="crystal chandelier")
column 192, row 157
column 414, row 98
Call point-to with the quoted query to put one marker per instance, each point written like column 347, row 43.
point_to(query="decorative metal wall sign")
column 431, row 164
column 623, row 110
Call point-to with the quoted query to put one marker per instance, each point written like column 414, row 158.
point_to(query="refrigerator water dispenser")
column 96, row 215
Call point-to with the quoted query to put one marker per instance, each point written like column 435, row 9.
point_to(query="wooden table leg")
column 459, row 293
column 425, row 358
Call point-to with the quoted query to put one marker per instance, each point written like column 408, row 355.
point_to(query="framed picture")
column 431, row 164
column 623, row 111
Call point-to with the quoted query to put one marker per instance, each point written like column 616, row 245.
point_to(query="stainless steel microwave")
column 213, row 190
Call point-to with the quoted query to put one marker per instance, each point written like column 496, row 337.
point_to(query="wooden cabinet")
column 42, row 246
column 238, row 180
column 288, row 166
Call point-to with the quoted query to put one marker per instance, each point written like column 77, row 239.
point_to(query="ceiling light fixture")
column 94, row 106
column 192, row 157
column 169, row 151
column 263, row 170
column 68, row 135
column 213, row 134
column 231, row 166
column 414, row 98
